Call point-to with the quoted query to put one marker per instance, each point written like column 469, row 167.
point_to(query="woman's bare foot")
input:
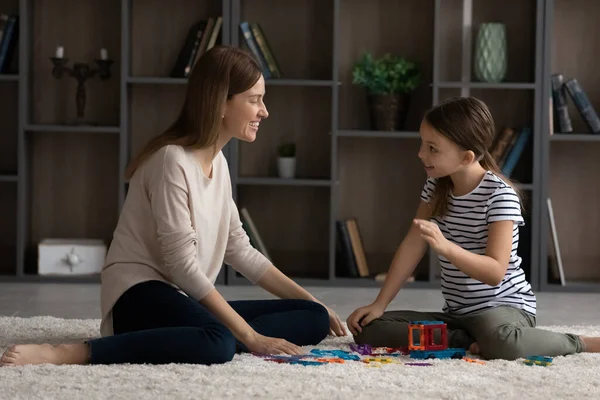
column 474, row 349
column 27, row 354
column 592, row 344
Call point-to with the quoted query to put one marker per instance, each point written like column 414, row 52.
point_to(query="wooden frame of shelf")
column 340, row 157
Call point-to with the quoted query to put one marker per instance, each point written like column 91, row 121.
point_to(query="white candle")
column 103, row 54
column 60, row 52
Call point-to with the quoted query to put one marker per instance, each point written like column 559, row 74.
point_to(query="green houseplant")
column 389, row 81
column 286, row 160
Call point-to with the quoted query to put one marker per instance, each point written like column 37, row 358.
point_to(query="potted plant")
column 389, row 81
column 286, row 160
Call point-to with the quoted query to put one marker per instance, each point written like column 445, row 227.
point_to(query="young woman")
column 178, row 225
column 470, row 216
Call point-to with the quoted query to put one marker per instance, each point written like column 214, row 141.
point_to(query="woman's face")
column 244, row 111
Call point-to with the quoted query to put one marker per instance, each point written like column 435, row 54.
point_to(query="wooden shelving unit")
column 570, row 160
column 60, row 180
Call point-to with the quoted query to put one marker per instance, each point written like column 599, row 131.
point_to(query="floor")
column 81, row 301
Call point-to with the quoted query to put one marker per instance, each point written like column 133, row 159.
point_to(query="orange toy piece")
column 425, row 331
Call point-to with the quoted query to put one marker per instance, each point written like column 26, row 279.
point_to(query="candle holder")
column 81, row 72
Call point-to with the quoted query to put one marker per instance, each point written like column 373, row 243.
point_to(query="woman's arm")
column 255, row 342
column 278, row 284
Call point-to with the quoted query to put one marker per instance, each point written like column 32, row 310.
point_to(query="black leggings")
column 155, row 324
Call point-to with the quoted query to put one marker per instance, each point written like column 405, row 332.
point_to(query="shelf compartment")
column 520, row 18
column 8, row 227
column 379, row 184
column 391, row 31
column 293, row 223
column 73, row 188
column 296, row 114
column 309, row 34
column 157, row 40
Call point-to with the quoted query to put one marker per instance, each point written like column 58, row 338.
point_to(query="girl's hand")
column 432, row 234
column 362, row 316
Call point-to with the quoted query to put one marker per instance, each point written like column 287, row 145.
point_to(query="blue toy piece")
column 446, row 353
column 427, row 322
column 344, row 355
column 538, row 360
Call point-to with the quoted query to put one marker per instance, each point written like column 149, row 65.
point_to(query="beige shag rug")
column 250, row 377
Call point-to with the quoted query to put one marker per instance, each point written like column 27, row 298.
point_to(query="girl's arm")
column 407, row 257
column 405, row 260
column 489, row 268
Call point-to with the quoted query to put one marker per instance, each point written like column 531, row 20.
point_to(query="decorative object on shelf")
column 490, row 52
column 286, row 161
column 81, row 72
column 389, row 81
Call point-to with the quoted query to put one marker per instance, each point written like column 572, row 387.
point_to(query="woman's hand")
column 432, row 235
column 362, row 316
column 335, row 324
column 268, row 345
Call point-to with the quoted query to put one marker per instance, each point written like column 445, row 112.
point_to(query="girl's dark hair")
column 468, row 122
column 220, row 73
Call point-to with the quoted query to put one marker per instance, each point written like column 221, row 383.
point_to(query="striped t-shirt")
column 466, row 224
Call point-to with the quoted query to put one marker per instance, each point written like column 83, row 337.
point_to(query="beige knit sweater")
column 177, row 226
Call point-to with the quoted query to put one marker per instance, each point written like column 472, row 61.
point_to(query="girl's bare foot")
column 592, row 344
column 474, row 349
column 27, row 354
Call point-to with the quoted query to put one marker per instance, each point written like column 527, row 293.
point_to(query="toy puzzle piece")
column 538, row 360
column 344, row 355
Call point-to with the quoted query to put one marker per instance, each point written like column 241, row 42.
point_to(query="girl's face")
column 439, row 155
column 244, row 111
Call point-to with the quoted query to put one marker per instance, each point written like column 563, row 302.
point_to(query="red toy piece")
column 426, row 340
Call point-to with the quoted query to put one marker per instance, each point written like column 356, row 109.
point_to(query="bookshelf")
column 570, row 159
column 60, row 180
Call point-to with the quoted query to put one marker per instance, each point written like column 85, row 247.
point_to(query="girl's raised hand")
column 432, row 234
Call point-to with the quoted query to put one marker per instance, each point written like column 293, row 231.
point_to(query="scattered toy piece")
column 538, row 360
column 417, row 364
column 472, row 360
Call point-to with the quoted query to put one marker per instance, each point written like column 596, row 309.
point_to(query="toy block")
column 538, row 360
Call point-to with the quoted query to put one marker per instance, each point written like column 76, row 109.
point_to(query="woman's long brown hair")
column 468, row 122
column 220, row 73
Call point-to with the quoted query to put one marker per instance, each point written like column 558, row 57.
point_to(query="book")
column 252, row 232
column 583, row 104
column 559, row 100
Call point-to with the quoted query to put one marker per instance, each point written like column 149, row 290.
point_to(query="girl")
column 178, row 226
column 470, row 216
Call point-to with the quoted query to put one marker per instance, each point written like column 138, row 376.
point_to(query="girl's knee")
column 503, row 344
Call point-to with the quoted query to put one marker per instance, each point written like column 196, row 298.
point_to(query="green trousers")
column 503, row 332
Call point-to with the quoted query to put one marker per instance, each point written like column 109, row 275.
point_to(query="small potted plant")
column 389, row 81
column 286, row 160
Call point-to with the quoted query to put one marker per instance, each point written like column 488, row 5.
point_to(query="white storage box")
column 71, row 256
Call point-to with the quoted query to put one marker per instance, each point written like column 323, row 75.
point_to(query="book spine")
column 583, row 105
column 559, row 98
column 253, row 46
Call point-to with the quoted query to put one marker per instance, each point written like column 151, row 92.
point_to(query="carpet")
column 251, row 377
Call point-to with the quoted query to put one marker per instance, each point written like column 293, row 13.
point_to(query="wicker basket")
column 388, row 112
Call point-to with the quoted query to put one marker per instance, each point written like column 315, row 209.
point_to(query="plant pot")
column 490, row 53
column 388, row 111
column 286, row 167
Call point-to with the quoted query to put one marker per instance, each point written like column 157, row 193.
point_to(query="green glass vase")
column 490, row 52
